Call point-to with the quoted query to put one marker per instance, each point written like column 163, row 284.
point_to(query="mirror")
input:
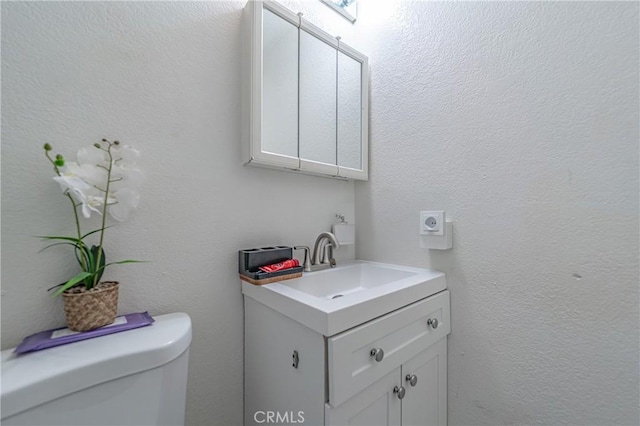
column 349, row 112
column 317, row 100
column 279, row 95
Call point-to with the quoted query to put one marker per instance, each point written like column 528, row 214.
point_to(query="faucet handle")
column 327, row 255
column 307, row 257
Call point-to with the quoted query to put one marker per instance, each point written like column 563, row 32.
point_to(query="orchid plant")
column 104, row 179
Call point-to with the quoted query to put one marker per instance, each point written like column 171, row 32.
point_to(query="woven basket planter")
column 89, row 309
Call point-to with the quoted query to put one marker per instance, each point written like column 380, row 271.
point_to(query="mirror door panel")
column 317, row 102
column 270, row 54
column 279, row 96
column 352, row 111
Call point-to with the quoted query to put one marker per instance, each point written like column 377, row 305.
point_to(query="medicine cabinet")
column 305, row 96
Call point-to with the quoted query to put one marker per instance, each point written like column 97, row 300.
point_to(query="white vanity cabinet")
column 305, row 96
column 388, row 371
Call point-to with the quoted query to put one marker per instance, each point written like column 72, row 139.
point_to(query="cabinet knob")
column 412, row 379
column 433, row 322
column 377, row 354
column 400, row 391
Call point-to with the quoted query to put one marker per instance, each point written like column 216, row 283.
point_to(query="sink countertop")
column 333, row 300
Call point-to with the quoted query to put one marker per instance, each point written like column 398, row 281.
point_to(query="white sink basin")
column 339, row 282
column 334, row 300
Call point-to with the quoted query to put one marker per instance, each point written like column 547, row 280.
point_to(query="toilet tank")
column 136, row 377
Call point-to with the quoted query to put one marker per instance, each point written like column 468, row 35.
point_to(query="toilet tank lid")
column 34, row 378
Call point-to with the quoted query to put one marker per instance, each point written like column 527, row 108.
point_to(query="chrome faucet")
column 323, row 251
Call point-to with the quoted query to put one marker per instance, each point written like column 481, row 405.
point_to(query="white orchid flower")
column 92, row 174
column 126, row 178
column 124, row 171
column 92, row 156
column 83, row 182
column 71, row 174
column 86, row 180
column 126, row 200
column 81, row 192
column 71, row 181
column 126, row 156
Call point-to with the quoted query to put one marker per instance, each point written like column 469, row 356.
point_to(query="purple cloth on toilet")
column 63, row 336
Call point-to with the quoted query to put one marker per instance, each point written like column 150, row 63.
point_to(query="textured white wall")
column 521, row 121
column 166, row 78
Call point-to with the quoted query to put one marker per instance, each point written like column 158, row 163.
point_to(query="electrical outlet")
column 432, row 223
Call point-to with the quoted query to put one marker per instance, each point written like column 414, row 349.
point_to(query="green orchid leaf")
column 84, row 261
column 122, row 262
column 95, row 231
column 72, row 282
column 57, row 285
column 90, row 266
column 56, row 244
column 54, row 237
column 80, row 261
column 90, row 259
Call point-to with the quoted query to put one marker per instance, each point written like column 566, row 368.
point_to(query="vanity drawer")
column 401, row 335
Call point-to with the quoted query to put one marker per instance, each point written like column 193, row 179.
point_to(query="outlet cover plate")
column 432, row 222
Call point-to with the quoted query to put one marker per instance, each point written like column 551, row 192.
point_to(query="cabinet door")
column 377, row 405
column 270, row 89
column 318, row 101
column 425, row 403
column 352, row 113
column 279, row 86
